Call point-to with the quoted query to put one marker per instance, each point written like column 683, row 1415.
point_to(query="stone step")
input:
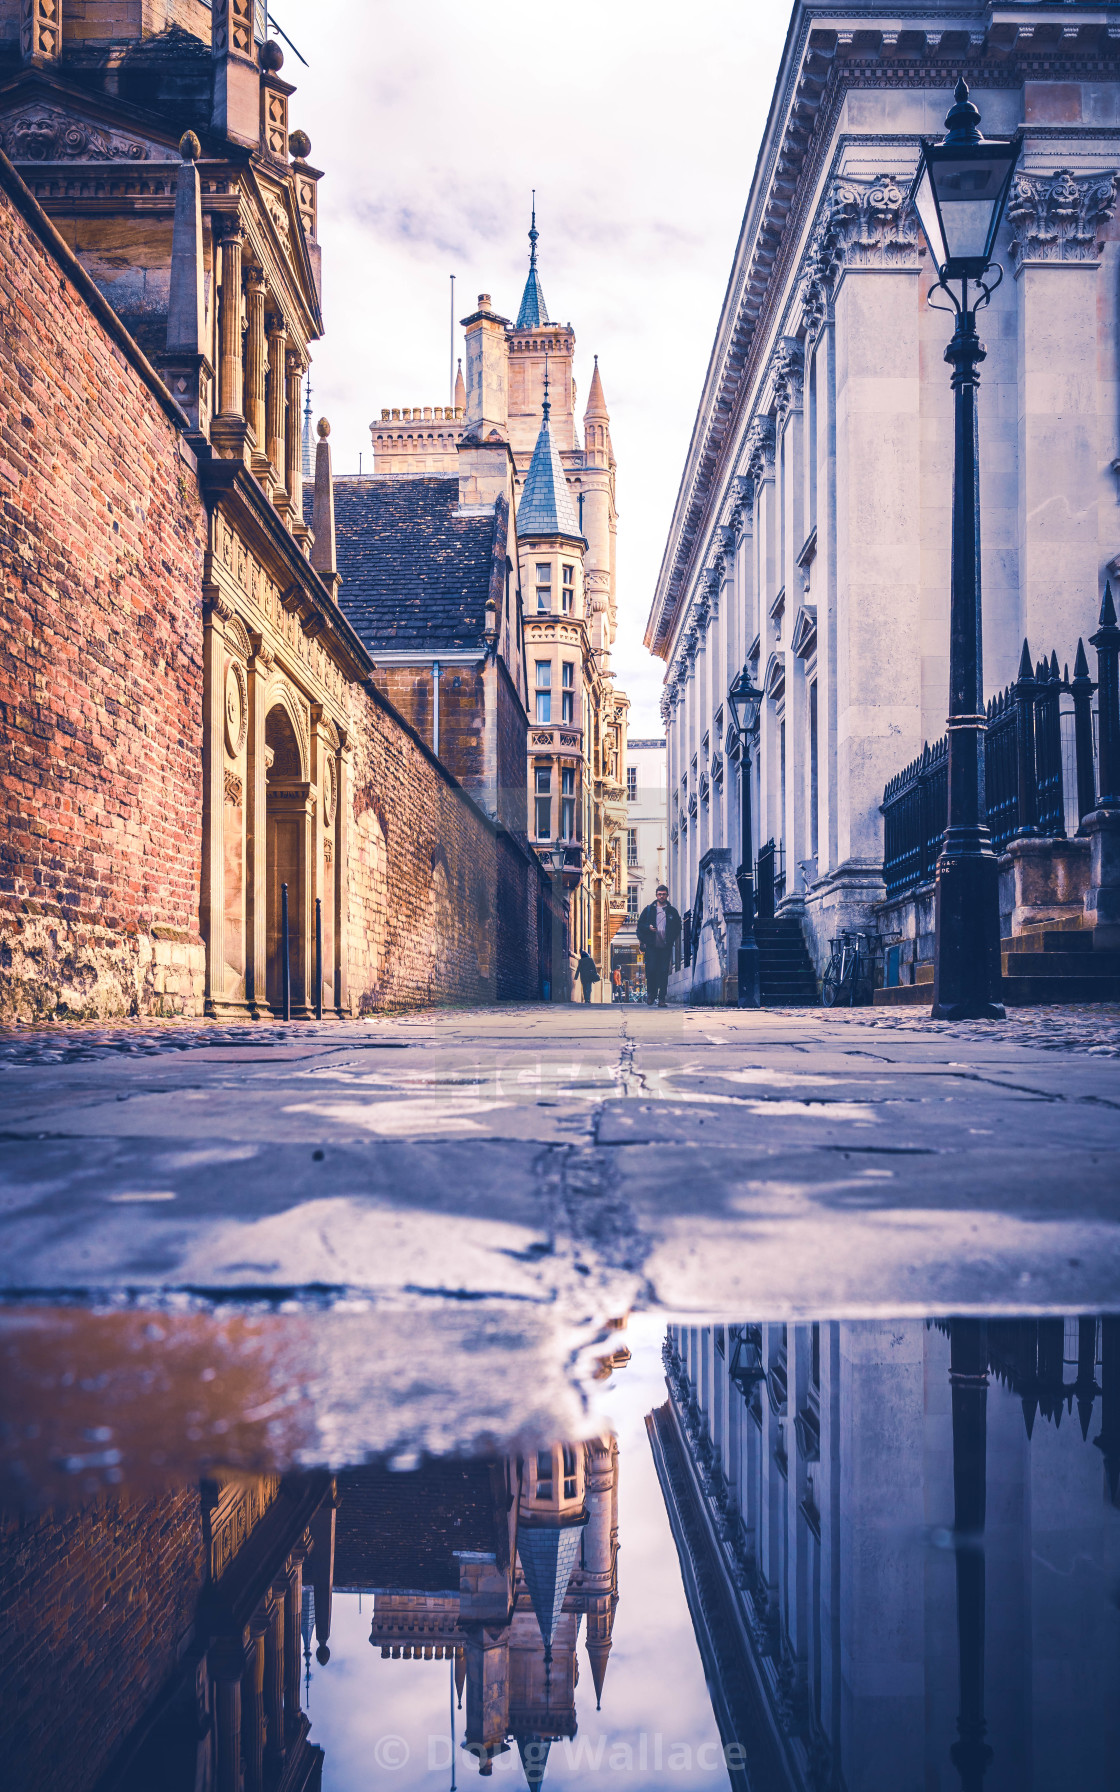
column 1021, row 992
column 1061, row 964
column 1050, row 939
column 906, row 995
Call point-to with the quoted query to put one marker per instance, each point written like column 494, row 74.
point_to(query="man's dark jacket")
column 647, row 927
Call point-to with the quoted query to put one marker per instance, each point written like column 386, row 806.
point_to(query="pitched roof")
column 400, row 1530
column 414, row 573
column 546, row 504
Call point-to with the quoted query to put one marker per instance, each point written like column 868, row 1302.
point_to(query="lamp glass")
column 959, row 195
column 746, row 700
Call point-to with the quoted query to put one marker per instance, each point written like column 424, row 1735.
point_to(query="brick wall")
column 101, row 542
column 443, row 907
column 97, row 1605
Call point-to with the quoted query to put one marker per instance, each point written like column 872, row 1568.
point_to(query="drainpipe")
column 435, row 708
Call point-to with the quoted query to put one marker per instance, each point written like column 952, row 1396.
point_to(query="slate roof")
column 546, row 506
column 547, row 1556
column 534, row 311
column 401, row 1529
column 414, row 574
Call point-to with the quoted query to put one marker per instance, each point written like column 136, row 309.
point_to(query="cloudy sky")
column 637, row 122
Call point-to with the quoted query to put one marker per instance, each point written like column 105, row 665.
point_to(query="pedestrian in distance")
column 616, row 985
column 659, row 929
column 587, row 973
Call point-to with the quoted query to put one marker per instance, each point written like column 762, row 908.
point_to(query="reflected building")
column 900, row 1544
column 157, row 1642
column 496, row 1566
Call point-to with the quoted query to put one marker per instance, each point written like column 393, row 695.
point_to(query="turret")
column 599, row 517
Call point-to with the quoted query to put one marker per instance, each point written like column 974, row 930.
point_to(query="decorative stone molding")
column 1057, row 217
column 787, row 371
column 863, row 222
column 237, row 637
column 236, row 708
column 760, row 449
column 46, row 134
column 234, row 789
column 40, row 29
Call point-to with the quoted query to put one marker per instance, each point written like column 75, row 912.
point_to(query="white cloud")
column 638, row 125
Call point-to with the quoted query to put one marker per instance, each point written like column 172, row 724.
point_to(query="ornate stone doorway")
column 288, row 806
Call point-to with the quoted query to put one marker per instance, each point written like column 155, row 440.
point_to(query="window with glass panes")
column 631, row 783
column 631, row 902
column 544, row 585
column 543, row 816
column 568, row 690
column 567, row 589
column 631, row 846
column 544, row 691
column 567, row 802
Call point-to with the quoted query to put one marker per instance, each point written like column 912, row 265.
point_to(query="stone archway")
column 288, row 807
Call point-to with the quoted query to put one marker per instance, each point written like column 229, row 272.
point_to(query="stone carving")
column 237, row 637
column 787, row 370
column 46, row 134
column 233, row 28
column 759, row 449
column 40, row 30
column 328, row 852
column 862, row 223
column 234, row 788
column 236, row 708
column 1057, row 217
column 330, row 790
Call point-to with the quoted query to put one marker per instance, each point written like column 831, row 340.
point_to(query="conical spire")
column 534, row 311
column 598, row 1654
column 596, row 411
column 548, row 1554
column 534, row 1759
column 460, row 390
column 546, row 504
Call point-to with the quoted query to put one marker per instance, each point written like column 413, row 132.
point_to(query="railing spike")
column 1025, row 660
column 1108, row 608
column 1080, row 661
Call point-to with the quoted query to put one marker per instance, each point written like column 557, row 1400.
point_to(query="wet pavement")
column 820, row 1305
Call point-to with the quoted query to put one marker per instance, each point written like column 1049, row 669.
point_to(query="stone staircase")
column 785, row 971
column 1044, row 965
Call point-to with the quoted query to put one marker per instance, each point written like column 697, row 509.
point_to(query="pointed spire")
column 323, row 551
column 460, row 1674
column 546, row 504
column 460, row 390
column 534, row 1759
column 186, row 316
column 548, row 1555
column 534, row 312
column 596, row 411
column 598, row 1654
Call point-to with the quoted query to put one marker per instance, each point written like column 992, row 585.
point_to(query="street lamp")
column 959, row 192
column 557, row 860
column 745, row 700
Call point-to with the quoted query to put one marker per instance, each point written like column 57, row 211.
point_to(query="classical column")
column 293, row 473
column 230, row 383
column 256, row 831
column 252, row 1708
column 293, row 1612
column 256, row 352
column 215, row 613
column 277, row 401
column 274, row 1672
column 227, row 1665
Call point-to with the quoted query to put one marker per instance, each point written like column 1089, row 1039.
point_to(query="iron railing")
column 1040, row 764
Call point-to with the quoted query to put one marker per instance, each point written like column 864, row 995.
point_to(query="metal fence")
column 1042, row 752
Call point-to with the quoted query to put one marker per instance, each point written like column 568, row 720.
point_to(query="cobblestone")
column 1092, row 1027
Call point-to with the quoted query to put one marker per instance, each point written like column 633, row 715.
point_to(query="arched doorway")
column 287, row 805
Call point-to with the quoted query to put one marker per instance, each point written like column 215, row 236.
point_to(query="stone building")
column 646, row 843
column 810, row 536
column 906, row 1536
column 190, row 721
column 492, row 1565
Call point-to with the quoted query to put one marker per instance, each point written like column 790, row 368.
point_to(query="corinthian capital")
column 1058, row 217
column 787, row 370
column 760, row 449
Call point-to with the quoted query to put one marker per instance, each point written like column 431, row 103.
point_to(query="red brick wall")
column 96, row 1606
column 442, row 907
column 101, row 542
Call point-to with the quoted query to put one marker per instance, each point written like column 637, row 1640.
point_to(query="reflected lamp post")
column 745, row 700
column 959, row 192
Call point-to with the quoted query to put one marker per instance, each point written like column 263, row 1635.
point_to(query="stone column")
column 256, row 832
column 215, row 613
column 293, row 1612
column 277, row 404
column 341, row 882
column 256, row 362
column 228, row 1665
column 252, row 1709
column 230, row 381
column 274, row 1673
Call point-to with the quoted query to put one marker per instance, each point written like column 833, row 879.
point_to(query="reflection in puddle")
column 854, row 1555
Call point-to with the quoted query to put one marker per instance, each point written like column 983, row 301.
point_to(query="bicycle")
column 845, row 969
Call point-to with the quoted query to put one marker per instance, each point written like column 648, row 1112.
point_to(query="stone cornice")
column 829, row 51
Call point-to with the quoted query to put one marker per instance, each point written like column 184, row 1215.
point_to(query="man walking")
column 587, row 972
column 659, row 929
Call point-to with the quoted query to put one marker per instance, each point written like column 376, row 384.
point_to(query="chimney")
column 487, row 371
column 237, row 86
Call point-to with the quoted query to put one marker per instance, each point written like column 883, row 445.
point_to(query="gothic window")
column 544, row 692
column 544, row 585
column 568, row 590
column 568, row 692
column 631, row 783
column 544, row 802
column 567, row 803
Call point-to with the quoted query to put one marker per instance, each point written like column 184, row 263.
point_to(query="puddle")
column 279, row 1545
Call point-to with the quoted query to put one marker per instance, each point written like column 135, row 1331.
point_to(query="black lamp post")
column 960, row 191
column 558, row 858
column 745, row 700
